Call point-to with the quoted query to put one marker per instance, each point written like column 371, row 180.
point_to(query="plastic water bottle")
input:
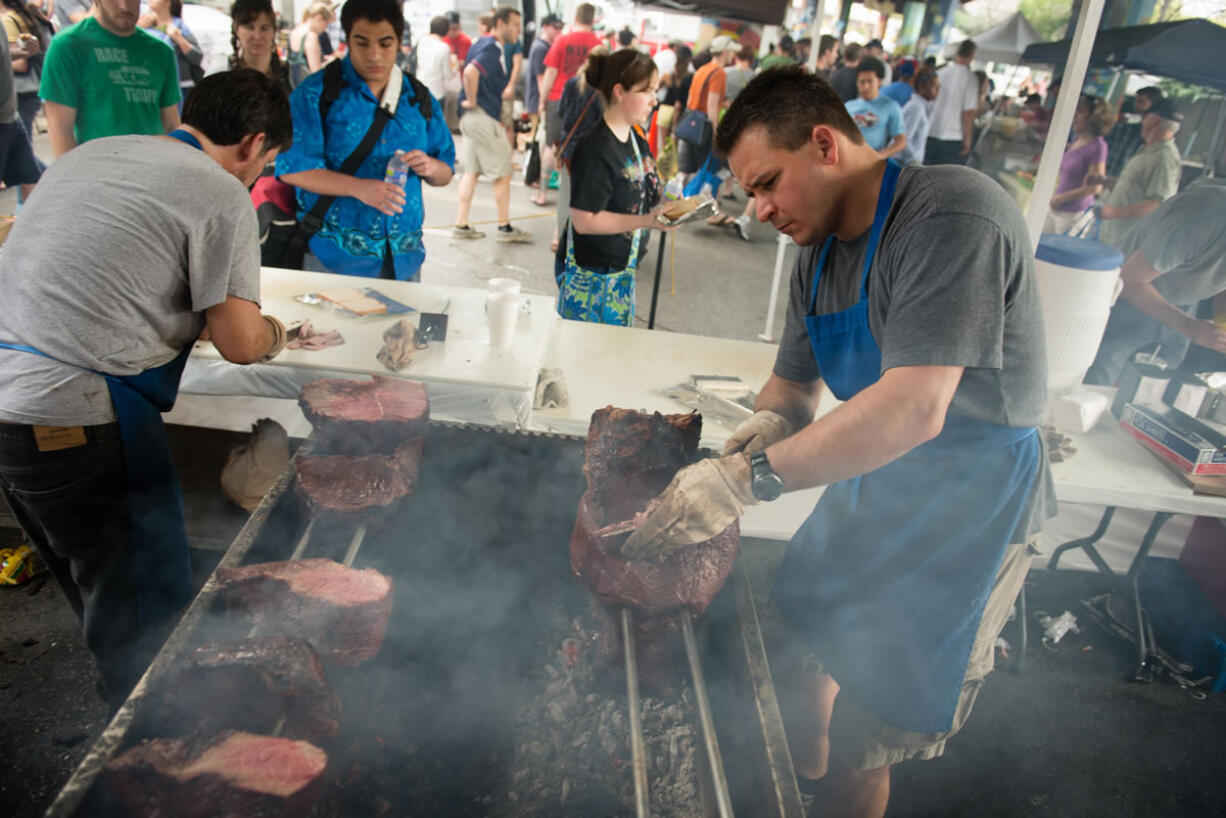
column 674, row 188
column 397, row 170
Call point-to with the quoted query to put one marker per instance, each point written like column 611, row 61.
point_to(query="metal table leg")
column 1087, row 544
column 1145, row 669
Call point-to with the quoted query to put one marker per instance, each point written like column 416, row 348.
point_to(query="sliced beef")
column 631, row 457
column 230, row 775
column 250, row 684
column 365, row 417
column 357, row 488
column 341, row 611
column 689, row 578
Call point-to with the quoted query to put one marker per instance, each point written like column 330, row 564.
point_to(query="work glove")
column 279, row 337
column 700, row 502
column 756, row 432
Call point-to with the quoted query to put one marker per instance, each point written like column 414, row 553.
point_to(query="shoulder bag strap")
column 314, row 219
column 578, row 122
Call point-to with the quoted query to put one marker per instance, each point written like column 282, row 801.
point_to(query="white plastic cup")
column 504, row 285
column 502, row 311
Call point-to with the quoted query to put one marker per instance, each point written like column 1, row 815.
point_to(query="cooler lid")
column 1080, row 254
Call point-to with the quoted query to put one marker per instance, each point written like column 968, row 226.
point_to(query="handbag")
column 532, row 163
column 694, row 126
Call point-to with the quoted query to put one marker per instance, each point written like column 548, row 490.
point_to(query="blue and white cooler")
column 1079, row 280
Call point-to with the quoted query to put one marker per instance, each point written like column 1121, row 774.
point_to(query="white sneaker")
column 466, row 232
column 514, row 234
column 742, row 226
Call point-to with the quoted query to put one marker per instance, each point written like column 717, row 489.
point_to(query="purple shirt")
column 1073, row 169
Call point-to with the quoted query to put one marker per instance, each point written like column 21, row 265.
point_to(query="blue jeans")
column 72, row 504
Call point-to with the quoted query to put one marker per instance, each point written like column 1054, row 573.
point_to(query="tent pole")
column 1062, row 118
column 1215, row 146
column 815, row 34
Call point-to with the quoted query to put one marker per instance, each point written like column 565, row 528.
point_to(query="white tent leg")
column 765, row 335
column 1062, row 117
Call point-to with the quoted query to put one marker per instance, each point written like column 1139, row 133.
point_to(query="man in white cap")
column 708, row 92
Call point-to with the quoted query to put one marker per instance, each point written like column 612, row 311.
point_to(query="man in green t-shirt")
column 106, row 77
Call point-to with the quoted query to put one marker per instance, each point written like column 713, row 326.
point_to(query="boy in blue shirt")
column 373, row 228
column 878, row 117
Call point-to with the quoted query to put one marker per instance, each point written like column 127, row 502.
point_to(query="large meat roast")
column 341, row 611
column 365, row 417
column 630, row 458
column 250, row 684
column 230, row 775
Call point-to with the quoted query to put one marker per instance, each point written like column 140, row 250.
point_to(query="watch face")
column 766, row 485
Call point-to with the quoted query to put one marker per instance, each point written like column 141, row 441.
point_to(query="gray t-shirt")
column 1152, row 173
column 1184, row 240
column 63, row 8
column 126, row 242
column 953, row 284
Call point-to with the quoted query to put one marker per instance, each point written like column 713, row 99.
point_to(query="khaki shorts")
column 507, row 115
column 486, row 149
column 869, row 743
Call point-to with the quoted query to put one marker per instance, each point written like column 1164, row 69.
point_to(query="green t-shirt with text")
column 118, row 85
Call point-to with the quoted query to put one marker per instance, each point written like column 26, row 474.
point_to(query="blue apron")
column 889, row 576
column 161, row 565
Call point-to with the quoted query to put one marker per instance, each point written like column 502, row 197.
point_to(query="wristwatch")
column 765, row 485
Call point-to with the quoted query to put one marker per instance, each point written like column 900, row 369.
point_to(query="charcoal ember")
column 341, row 611
column 365, row 417
column 630, row 457
column 250, row 684
column 229, row 775
column 659, row 648
column 358, row 489
column 690, row 577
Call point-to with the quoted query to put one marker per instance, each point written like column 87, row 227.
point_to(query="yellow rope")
column 493, row 221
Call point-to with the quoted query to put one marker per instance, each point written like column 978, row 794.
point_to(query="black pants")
column 72, row 504
column 943, row 152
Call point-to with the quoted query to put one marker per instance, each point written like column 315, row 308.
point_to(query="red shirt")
column 568, row 54
column 459, row 45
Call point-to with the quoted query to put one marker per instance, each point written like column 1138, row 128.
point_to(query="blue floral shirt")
column 354, row 235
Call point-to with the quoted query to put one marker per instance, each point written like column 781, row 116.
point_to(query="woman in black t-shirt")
column 614, row 194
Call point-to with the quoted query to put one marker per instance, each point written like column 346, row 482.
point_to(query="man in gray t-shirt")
column 97, row 323
column 1173, row 259
column 914, row 301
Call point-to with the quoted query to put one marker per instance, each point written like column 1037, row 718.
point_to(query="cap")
column 906, row 67
column 1164, row 108
column 720, row 44
column 453, row 17
column 551, row 20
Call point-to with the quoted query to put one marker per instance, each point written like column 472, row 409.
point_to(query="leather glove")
column 279, row 337
column 756, row 432
column 700, row 502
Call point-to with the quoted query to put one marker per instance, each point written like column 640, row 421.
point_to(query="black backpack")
column 283, row 239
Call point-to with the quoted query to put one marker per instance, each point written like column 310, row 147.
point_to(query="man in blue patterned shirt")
column 373, row 228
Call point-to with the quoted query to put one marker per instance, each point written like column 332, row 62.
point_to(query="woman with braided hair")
column 253, row 35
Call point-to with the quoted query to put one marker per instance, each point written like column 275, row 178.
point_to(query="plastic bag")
column 252, row 468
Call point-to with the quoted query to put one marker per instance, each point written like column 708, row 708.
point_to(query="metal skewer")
column 723, row 800
column 300, row 548
column 638, row 750
column 354, row 545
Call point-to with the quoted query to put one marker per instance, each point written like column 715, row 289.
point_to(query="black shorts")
column 17, row 163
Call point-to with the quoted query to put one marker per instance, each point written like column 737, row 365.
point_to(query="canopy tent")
column 1005, row 42
column 1191, row 53
column 1186, row 50
column 768, row 12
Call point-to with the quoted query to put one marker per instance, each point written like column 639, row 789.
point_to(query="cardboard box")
column 1140, row 383
column 1182, row 441
column 1186, row 392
